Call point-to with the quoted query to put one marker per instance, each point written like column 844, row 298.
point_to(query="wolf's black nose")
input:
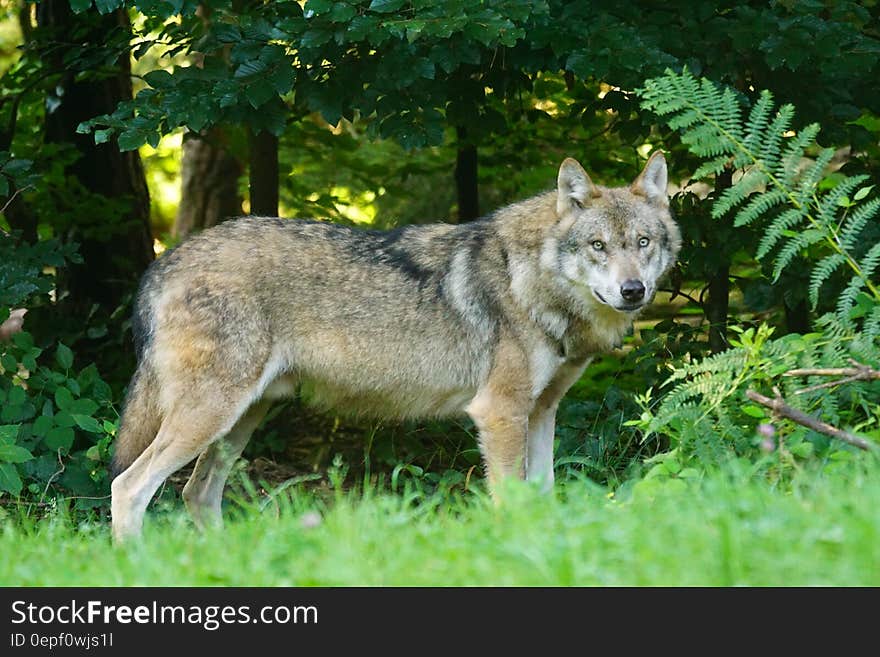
column 632, row 290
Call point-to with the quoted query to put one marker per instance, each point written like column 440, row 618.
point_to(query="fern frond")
column 871, row 327
column 786, row 221
column 829, row 203
column 806, row 186
column 759, row 119
column 794, row 246
column 734, row 195
column 777, row 173
column 853, row 226
column 847, row 301
column 714, row 166
column 787, row 165
column 706, row 140
column 868, row 264
column 772, row 142
column 759, row 205
column 821, row 272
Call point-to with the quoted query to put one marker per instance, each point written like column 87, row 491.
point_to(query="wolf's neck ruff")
column 496, row 318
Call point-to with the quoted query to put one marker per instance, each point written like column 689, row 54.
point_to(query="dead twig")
column 858, row 372
column 12, row 198
column 780, row 408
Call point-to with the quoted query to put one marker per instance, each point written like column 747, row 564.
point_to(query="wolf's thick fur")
column 496, row 318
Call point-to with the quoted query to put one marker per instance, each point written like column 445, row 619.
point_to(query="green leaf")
column 159, row 79
column 64, row 419
column 754, row 410
column 862, row 193
column 106, row 6
column 803, row 449
column 59, row 438
column 342, row 12
column 14, row 454
column 259, row 93
column 386, row 6
column 87, row 423
column 9, row 479
column 84, row 406
column 63, row 398
column 319, row 6
column 79, row 6
column 16, row 396
column 8, row 432
column 131, row 140
column 12, row 413
column 250, row 68
column 103, row 136
column 9, row 363
column 42, row 425
column 283, row 77
column 226, row 33
column 64, row 356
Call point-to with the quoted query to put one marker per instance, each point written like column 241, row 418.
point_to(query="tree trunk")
column 209, row 190
column 717, row 305
column 466, row 178
column 797, row 318
column 263, row 176
column 117, row 251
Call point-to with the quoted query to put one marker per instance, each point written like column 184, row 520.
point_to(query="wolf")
column 495, row 319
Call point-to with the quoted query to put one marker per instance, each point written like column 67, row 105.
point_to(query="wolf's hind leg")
column 186, row 432
column 203, row 493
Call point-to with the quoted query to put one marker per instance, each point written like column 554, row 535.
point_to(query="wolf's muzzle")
column 632, row 290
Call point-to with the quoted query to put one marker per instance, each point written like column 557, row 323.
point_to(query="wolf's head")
column 613, row 244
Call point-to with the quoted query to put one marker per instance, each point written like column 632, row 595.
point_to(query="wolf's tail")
column 140, row 422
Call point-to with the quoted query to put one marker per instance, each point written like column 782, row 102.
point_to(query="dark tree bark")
column 718, row 303
column 114, row 254
column 263, row 175
column 797, row 319
column 466, row 178
column 209, row 190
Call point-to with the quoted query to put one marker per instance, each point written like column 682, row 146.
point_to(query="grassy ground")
column 726, row 530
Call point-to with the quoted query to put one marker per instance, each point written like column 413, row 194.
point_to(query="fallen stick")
column 779, row 407
column 859, row 372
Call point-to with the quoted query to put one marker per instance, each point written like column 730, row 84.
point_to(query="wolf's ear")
column 651, row 182
column 574, row 188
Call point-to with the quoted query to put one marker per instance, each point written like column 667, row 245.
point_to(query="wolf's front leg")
column 539, row 459
column 503, row 426
column 500, row 410
column 542, row 424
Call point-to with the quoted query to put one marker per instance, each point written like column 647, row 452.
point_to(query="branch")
column 12, row 198
column 858, row 372
column 779, row 407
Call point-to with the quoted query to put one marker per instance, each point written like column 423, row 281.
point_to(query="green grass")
column 726, row 530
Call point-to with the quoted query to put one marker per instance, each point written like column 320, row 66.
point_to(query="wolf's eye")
column 643, row 242
column 598, row 245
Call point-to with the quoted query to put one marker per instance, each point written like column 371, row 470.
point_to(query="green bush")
column 56, row 421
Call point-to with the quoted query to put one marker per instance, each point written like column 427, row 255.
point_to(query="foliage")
column 57, row 424
column 340, row 59
column 56, row 421
column 774, row 189
column 704, row 412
